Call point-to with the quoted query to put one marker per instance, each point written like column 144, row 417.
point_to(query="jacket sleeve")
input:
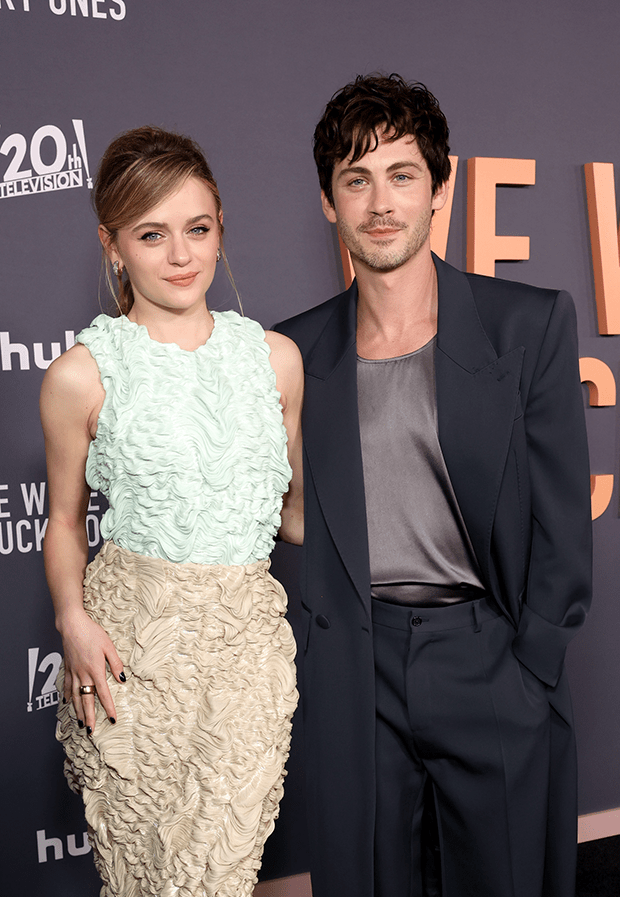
column 558, row 587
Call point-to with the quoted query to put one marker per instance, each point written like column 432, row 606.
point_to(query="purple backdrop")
column 248, row 80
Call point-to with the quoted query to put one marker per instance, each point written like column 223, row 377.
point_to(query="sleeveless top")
column 190, row 450
column 416, row 534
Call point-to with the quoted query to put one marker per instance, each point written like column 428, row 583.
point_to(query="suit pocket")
column 560, row 699
column 535, row 689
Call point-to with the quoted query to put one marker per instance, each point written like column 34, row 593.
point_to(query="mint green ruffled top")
column 191, row 447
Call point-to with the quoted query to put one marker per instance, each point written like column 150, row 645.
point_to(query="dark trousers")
column 459, row 718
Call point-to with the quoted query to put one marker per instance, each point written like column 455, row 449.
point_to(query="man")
column 447, row 544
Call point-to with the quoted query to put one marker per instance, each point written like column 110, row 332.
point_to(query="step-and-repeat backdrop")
column 531, row 93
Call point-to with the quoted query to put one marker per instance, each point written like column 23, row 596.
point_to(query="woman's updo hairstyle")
column 139, row 170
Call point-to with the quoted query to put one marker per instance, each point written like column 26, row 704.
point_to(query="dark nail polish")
column 112, row 720
column 80, row 724
column 64, row 700
column 89, row 731
column 122, row 677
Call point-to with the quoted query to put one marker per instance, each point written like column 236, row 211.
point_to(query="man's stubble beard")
column 383, row 258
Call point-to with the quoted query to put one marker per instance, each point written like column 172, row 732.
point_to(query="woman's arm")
column 71, row 397
column 286, row 361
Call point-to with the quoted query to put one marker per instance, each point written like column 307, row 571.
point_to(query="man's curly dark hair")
column 375, row 105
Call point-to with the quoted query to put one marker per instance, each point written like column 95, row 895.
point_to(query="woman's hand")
column 87, row 649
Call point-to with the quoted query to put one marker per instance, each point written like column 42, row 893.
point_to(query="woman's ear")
column 106, row 241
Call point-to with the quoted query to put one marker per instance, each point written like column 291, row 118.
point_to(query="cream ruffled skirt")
column 183, row 791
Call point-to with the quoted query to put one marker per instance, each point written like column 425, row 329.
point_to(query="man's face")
column 383, row 204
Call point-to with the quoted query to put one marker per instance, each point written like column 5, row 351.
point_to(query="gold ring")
column 87, row 690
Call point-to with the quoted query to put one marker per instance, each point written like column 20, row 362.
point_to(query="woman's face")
column 170, row 253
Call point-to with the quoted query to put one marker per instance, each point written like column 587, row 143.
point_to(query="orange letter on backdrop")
column 604, row 240
column 484, row 246
column 602, row 389
column 440, row 229
column 347, row 266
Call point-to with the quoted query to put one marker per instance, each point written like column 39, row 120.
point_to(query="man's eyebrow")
column 409, row 163
column 353, row 169
column 395, row 166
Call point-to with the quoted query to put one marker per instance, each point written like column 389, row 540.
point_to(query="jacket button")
column 322, row 621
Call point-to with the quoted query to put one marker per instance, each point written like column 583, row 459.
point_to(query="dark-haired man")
column 447, row 542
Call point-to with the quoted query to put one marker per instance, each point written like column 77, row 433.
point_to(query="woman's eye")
column 199, row 229
column 150, row 237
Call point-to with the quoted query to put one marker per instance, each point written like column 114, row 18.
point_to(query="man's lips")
column 382, row 231
column 378, row 228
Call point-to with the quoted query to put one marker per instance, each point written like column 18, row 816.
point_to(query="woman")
column 189, row 422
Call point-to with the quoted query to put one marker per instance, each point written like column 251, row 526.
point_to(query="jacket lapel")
column 332, row 439
column 477, row 403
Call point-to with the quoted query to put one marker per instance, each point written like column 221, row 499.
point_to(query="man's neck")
column 397, row 310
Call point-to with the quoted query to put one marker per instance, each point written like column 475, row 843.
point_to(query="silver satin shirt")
column 416, row 533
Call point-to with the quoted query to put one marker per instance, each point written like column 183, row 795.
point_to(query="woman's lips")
column 182, row 280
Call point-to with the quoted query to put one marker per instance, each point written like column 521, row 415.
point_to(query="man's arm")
column 559, row 583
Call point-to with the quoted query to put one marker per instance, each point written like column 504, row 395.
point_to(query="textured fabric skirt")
column 181, row 794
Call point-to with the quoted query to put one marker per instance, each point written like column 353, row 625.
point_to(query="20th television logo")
column 46, row 162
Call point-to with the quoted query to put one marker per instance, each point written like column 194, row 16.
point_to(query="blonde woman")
column 179, row 681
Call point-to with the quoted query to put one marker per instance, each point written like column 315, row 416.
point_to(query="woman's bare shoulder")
column 284, row 351
column 75, row 369
column 287, row 363
column 73, row 381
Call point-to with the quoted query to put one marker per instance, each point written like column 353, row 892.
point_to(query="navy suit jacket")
column 511, row 429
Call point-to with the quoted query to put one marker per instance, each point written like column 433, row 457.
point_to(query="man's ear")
column 440, row 196
column 328, row 209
